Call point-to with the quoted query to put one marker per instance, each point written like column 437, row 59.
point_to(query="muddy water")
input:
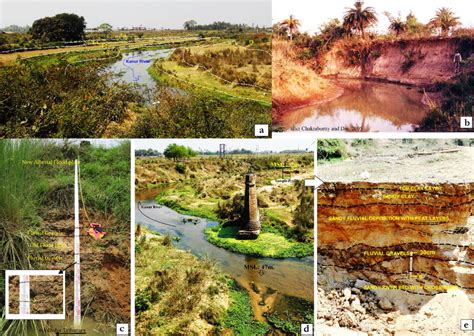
column 364, row 106
column 272, row 277
column 133, row 66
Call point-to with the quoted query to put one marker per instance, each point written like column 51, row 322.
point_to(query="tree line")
column 219, row 25
column 358, row 19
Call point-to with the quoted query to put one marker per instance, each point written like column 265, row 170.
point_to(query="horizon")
column 311, row 18
column 145, row 13
column 255, row 145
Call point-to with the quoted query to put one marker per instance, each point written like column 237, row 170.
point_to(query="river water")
column 364, row 106
column 133, row 66
column 288, row 277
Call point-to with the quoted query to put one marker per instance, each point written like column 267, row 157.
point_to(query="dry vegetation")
column 213, row 188
column 295, row 84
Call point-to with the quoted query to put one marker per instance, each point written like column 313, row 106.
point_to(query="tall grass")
column 17, row 202
column 105, row 178
column 17, row 216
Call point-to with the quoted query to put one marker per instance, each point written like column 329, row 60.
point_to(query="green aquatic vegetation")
column 239, row 317
column 280, row 318
column 172, row 198
column 267, row 244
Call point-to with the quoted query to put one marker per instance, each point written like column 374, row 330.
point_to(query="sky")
column 170, row 14
column 258, row 145
column 313, row 13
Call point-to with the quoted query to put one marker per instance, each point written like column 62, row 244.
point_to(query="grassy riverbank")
column 220, row 77
column 214, row 303
column 213, row 188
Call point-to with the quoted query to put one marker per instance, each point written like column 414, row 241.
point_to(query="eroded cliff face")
column 418, row 235
column 412, row 62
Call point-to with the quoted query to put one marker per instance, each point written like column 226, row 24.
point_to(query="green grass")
column 172, row 198
column 268, row 244
column 202, row 78
column 239, row 317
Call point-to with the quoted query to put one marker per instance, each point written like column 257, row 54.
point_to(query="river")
column 364, row 106
column 133, row 66
column 281, row 277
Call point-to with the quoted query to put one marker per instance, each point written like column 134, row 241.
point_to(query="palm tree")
column 445, row 20
column 397, row 25
column 291, row 24
column 359, row 18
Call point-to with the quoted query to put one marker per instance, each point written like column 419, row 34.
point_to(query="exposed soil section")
column 294, row 84
column 105, row 268
column 419, row 62
column 396, row 258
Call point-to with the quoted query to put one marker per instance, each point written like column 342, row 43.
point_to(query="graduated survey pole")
column 24, row 294
column 77, row 257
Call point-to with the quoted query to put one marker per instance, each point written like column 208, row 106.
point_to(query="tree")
column 397, row 25
column 190, row 24
column 106, row 29
column 175, row 152
column 16, row 29
column 360, row 18
column 445, row 20
column 413, row 25
column 331, row 30
column 291, row 24
column 61, row 27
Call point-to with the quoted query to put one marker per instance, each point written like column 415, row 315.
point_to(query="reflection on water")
column 290, row 276
column 364, row 106
column 134, row 66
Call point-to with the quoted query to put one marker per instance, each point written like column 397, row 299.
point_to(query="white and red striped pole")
column 24, row 294
column 77, row 249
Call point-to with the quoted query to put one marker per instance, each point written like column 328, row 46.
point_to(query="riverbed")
column 365, row 107
column 274, row 279
column 133, row 67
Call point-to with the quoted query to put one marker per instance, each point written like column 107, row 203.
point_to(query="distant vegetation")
column 220, row 25
column 61, row 27
column 177, row 152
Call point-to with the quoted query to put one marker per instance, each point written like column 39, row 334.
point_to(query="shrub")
column 331, row 149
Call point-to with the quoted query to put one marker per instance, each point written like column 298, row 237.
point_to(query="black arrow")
column 61, row 271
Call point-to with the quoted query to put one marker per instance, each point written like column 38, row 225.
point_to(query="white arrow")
column 316, row 182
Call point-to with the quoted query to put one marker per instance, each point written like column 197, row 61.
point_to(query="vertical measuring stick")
column 77, row 251
column 24, row 294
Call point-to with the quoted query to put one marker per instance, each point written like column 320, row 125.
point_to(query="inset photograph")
column 395, row 236
column 373, row 66
column 224, row 237
column 65, row 236
column 135, row 69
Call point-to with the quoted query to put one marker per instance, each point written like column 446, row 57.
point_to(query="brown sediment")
column 418, row 62
column 370, row 229
column 294, row 84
